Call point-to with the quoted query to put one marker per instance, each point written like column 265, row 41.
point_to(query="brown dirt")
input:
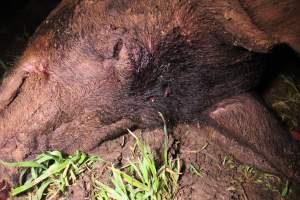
column 4, row 190
column 196, row 146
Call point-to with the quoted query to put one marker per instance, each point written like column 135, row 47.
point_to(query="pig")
column 96, row 68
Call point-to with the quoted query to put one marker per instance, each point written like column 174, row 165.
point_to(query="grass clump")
column 196, row 169
column 143, row 178
column 3, row 65
column 250, row 174
column 50, row 174
column 286, row 101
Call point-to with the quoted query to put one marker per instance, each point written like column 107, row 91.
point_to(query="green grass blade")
column 40, row 191
column 50, row 171
column 21, row 164
column 132, row 181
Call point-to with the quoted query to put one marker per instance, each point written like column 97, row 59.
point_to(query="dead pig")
column 95, row 68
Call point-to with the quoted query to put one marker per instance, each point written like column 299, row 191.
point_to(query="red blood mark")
column 296, row 135
column 167, row 92
column 4, row 190
column 152, row 99
column 35, row 67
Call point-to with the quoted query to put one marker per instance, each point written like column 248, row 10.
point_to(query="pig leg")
column 243, row 119
column 85, row 134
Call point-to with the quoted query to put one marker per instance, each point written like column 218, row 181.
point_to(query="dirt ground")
column 222, row 177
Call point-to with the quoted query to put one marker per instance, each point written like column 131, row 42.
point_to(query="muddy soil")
column 222, row 177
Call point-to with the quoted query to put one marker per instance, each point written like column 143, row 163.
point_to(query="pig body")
column 173, row 63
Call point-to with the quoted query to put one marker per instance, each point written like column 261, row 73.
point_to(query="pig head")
column 95, row 68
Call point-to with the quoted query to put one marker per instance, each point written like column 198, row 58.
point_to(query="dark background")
column 18, row 21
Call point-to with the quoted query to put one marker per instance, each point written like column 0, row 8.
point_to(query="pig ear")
column 124, row 65
column 252, row 31
column 132, row 58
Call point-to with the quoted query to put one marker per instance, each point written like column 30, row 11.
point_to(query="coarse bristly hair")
column 96, row 63
column 167, row 55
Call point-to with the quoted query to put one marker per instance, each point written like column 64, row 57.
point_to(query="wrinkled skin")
column 95, row 68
